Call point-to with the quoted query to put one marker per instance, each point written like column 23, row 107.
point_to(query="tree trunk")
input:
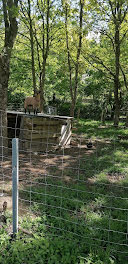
column 4, row 77
column 126, row 124
column 73, row 88
column 42, row 83
column 103, row 116
column 32, row 47
column 42, row 100
column 116, row 79
column 117, row 106
column 45, row 52
column 78, row 114
column 10, row 33
column 72, row 108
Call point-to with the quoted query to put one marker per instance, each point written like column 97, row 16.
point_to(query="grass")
column 83, row 220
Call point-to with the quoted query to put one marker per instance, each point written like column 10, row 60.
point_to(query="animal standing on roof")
column 32, row 102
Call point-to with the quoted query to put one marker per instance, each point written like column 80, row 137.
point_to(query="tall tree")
column 38, row 17
column 32, row 46
column 119, row 11
column 10, row 12
column 114, row 16
column 73, row 68
column 44, row 11
column 27, row 20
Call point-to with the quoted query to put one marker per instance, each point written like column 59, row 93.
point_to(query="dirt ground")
column 57, row 163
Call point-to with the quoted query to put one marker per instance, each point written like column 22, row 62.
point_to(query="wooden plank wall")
column 39, row 133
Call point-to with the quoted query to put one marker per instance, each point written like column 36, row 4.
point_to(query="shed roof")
column 40, row 115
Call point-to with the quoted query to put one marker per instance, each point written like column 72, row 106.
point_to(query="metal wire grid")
column 59, row 183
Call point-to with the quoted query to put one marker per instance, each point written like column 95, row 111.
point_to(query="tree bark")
column 32, row 47
column 73, row 87
column 118, row 15
column 72, row 108
column 126, row 124
column 116, row 79
column 103, row 116
column 42, row 82
column 45, row 50
column 69, row 62
column 4, row 77
column 11, row 29
column 78, row 56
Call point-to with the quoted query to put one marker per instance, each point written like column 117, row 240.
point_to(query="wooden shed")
column 39, row 132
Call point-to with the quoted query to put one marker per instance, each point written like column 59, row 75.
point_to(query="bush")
column 87, row 111
column 16, row 100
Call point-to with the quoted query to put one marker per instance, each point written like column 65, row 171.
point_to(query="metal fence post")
column 15, row 179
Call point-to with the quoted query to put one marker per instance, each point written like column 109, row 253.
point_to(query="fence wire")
column 80, row 191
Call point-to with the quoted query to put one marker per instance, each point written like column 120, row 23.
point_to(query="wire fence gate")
column 80, row 190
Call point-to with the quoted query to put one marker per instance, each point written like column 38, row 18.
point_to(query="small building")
column 39, row 132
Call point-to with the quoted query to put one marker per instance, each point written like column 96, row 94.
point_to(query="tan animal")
column 33, row 102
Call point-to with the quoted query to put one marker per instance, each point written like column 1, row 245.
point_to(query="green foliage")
column 16, row 100
column 89, row 110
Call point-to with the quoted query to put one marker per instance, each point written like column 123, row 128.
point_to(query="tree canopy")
column 75, row 49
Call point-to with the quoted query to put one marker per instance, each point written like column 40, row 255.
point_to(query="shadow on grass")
column 80, row 197
column 92, row 128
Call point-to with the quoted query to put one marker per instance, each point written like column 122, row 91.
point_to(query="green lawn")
column 81, row 214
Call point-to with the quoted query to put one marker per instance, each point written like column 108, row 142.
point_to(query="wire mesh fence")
column 79, row 190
